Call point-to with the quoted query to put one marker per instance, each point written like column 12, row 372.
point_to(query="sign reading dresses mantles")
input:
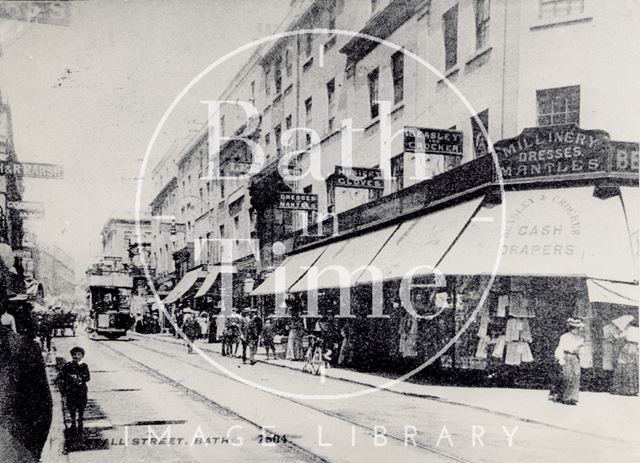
column 550, row 151
column 298, row 201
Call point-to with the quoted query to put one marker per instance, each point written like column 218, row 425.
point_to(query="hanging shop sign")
column 358, row 177
column 27, row 209
column 31, row 169
column 552, row 151
column 298, row 201
column 432, row 141
column 22, row 253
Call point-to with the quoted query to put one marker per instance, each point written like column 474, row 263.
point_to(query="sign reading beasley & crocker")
column 298, row 201
column 552, row 151
column 432, row 141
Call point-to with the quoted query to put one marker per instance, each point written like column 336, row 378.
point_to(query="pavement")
column 598, row 413
column 151, row 381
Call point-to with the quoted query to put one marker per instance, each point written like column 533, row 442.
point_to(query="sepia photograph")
column 319, row 231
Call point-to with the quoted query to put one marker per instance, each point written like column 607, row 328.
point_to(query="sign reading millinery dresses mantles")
column 31, row 169
column 358, row 177
column 27, row 209
column 552, row 151
column 432, row 141
column 298, row 201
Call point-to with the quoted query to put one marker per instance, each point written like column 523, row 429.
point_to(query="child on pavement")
column 73, row 378
column 268, row 334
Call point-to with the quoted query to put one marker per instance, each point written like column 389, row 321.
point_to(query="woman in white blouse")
column 567, row 355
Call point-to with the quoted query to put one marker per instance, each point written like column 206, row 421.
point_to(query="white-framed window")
column 287, row 62
column 450, row 35
column 311, row 216
column 331, row 104
column 397, row 73
column 308, row 108
column 277, row 134
column 373, row 80
column 308, row 45
column 558, row 105
column 267, row 83
column 482, row 10
column 559, row 8
column 397, row 172
column 277, row 75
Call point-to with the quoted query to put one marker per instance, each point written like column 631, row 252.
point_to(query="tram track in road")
column 215, row 406
column 369, row 429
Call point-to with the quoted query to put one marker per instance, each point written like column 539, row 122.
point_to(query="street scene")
column 319, row 231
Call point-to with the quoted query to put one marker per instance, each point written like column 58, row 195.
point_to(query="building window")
column 287, row 62
column 480, row 145
column 397, row 70
column 288, row 122
column 482, row 23
column 277, row 76
column 253, row 91
column 222, row 190
column 450, row 32
column 331, row 103
column 277, row 134
column 308, row 45
column 308, row 107
column 267, row 143
column 373, row 93
column 221, row 228
column 397, row 172
column 560, row 8
column 374, row 6
column 222, row 125
column 559, row 106
column 267, row 84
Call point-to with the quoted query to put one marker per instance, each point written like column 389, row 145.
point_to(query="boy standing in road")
column 74, row 376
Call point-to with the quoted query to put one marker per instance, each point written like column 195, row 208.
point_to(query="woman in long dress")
column 568, row 356
column 625, row 373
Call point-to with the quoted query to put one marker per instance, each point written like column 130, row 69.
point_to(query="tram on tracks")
column 109, row 298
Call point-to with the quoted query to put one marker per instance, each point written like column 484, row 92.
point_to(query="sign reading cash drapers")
column 358, row 177
column 554, row 150
column 298, row 201
column 432, row 141
column 27, row 209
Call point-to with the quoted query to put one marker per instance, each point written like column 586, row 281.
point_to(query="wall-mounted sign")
column 298, row 201
column 53, row 12
column 625, row 156
column 22, row 253
column 432, row 141
column 31, row 169
column 553, row 150
column 27, row 209
column 358, row 177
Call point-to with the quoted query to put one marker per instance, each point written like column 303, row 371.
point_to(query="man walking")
column 254, row 329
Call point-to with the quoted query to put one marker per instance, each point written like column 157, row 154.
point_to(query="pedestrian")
column 625, row 373
column 346, row 347
column 567, row 354
column 45, row 328
column 25, row 399
column 73, row 379
column 254, row 329
column 268, row 335
column 244, row 334
column 190, row 328
column 295, row 350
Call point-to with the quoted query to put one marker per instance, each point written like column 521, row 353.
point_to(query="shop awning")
column 612, row 292
column 184, row 285
column 289, row 272
column 420, row 243
column 344, row 262
column 208, row 282
column 553, row 232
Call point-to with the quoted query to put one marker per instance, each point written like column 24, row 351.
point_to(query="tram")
column 109, row 297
